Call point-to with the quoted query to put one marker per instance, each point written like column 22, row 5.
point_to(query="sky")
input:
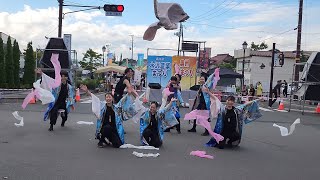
column 223, row 24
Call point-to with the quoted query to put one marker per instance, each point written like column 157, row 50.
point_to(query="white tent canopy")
column 118, row 69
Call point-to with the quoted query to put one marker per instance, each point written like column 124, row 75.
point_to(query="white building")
column 253, row 73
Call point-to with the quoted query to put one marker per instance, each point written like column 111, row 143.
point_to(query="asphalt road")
column 70, row 153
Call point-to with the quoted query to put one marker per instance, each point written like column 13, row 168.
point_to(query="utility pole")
column 180, row 33
column 131, row 49
column 271, row 74
column 298, row 50
column 60, row 18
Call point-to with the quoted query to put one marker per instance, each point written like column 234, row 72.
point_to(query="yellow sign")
column 186, row 66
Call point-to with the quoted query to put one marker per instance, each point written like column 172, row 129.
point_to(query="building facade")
column 253, row 72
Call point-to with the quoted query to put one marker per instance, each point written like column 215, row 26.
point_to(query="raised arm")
column 206, row 90
column 130, row 88
column 170, row 104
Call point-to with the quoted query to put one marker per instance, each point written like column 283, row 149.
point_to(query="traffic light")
column 281, row 59
column 113, row 8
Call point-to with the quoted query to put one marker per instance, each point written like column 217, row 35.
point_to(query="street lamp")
column 244, row 46
column 103, row 51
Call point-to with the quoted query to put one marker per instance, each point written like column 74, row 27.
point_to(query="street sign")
column 113, row 13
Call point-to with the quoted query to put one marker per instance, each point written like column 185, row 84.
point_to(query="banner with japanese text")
column 159, row 69
column 186, row 66
column 140, row 59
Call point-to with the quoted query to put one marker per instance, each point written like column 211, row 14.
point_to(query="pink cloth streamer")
column 28, row 99
column 167, row 92
column 57, row 70
column 202, row 117
column 216, row 77
column 177, row 69
column 201, row 154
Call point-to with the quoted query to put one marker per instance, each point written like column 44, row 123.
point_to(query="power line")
column 209, row 17
column 224, row 11
column 220, row 27
column 279, row 34
column 197, row 17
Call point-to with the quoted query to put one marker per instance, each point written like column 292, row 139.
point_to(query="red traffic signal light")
column 113, row 8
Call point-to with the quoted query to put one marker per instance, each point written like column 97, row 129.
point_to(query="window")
column 246, row 65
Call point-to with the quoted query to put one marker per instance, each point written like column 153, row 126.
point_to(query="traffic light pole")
column 61, row 14
column 271, row 75
column 60, row 18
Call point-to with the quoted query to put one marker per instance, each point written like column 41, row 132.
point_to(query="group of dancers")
column 154, row 121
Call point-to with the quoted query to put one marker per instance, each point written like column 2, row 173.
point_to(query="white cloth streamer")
column 284, row 130
column 140, row 109
column 85, row 122
column 130, row 146
column 96, row 105
column 141, row 155
column 16, row 115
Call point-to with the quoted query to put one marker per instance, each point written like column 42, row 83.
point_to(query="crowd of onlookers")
column 281, row 88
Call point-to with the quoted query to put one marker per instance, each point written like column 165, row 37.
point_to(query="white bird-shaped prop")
column 169, row 15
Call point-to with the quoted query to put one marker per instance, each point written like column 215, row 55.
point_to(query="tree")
column 232, row 64
column 9, row 64
column 114, row 58
column 91, row 60
column 2, row 64
column 257, row 47
column 29, row 65
column 16, row 63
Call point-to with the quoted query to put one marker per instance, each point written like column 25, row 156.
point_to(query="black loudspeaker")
column 154, row 85
column 57, row 46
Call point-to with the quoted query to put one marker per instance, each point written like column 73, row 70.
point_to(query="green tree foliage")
column 2, row 64
column 16, row 63
column 230, row 65
column 9, row 64
column 258, row 47
column 91, row 60
column 29, row 66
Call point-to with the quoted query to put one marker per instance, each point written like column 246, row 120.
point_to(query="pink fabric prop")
column 167, row 92
column 204, row 123
column 57, row 70
column 201, row 154
column 28, row 99
column 177, row 69
column 216, row 77
column 202, row 117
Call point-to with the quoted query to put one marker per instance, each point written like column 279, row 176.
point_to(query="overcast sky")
column 224, row 24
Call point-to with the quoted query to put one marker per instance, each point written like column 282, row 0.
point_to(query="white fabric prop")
column 85, row 122
column 96, row 105
column 140, row 109
column 141, row 155
column 16, row 115
column 169, row 15
column 45, row 96
column 284, row 130
column 130, row 146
